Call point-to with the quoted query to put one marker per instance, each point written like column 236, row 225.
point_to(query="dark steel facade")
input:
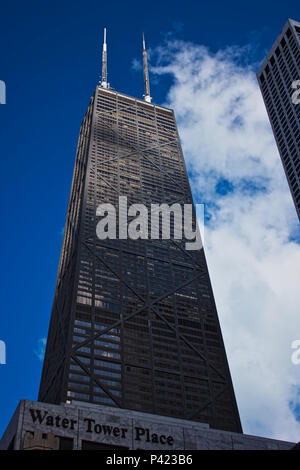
column 134, row 323
column 276, row 75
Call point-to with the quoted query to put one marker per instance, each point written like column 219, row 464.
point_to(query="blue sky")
column 50, row 62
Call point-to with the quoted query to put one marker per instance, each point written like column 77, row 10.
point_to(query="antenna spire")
column 147, row 96
column 103, row 82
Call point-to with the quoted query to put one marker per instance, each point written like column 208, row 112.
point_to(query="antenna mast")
column 103, row 82
column 147, row 96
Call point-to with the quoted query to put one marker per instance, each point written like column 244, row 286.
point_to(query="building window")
column 90, row 445
column 65, row 443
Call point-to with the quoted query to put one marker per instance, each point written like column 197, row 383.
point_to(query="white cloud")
column 254, row 265
column 41, row 346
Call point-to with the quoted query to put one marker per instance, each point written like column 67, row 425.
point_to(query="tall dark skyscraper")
column 134, row 323
column 279, row 80
column 135, row 358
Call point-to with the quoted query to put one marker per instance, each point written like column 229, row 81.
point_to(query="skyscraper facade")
column 279, row 81
column 134, row 323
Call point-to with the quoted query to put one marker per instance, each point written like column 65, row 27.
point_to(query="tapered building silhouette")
column 279, row 80
column 134, row 323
